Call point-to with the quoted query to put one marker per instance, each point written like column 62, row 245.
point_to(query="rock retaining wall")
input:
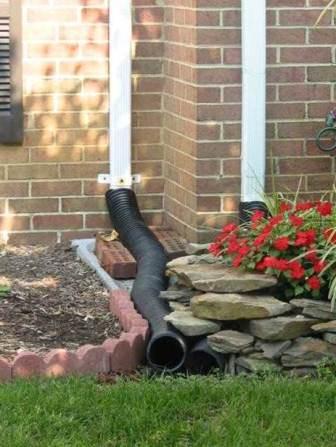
column 243, row 320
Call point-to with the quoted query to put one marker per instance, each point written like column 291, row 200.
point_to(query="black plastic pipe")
column 246, row 210
column 202, row 359
column 167, row 348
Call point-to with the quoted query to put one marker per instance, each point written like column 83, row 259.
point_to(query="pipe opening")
column 201, row 362
column 166, row 352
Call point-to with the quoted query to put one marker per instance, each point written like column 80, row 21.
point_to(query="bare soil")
column 55, row 301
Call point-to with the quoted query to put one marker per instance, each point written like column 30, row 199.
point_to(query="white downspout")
column 253, row 158
column 120, row 89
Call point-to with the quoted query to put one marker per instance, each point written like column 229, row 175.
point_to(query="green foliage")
column 326, row 370
column 4, row 291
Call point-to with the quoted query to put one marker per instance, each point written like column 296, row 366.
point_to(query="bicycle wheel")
column 326, row 139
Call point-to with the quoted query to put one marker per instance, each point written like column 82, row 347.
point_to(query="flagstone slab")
column 234, row 306
column 308, row 351
column 230, row 342
column 315, row 308
column 282, row 328
column 273, row 350
column 256, row 365
column 191, row 326
column 220, row 279
column 330, row 326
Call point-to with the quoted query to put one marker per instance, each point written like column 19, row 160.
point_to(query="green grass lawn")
column 167, row 412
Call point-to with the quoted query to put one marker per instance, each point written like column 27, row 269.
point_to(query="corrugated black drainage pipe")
column 247, row 208
column 202, row 359
column 166, row 349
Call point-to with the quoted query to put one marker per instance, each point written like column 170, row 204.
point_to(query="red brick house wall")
column 48, row 188
column 186, row 113
column 203, row 106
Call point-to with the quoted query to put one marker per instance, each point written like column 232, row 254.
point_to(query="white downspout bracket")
column 120, row 182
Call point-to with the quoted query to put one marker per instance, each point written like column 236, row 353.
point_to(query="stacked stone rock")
column 242, row 319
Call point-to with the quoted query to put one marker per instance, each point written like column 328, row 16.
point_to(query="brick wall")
column 186, row 113
column 147, row 107
column 300, row 93
column 202, row 164
column 203, row 106
column 48, row 188
column 180, row 108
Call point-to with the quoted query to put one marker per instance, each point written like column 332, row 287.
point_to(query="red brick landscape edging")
column 120, row 355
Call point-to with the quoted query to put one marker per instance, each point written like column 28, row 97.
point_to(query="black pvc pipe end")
column 202, row 359
column 166, row 351
column 246, row 209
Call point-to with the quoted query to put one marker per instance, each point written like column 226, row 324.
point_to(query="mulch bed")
column 55, row 301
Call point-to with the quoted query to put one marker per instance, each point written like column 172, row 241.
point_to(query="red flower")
column 324, row 208
column 214, row 249
column 305, row 238
column 267, row 229
column 233, row 247
column 304, row 206
column 244, row 250
column 237, row 261
column 281, row 243
column 319, row 266
column 232, row 237
column 275, row 263
column 229, row 228
column 311, row 236
column 296, row 221
column 276, row 220
column 284, row 206
column 281, row 264
column 294, row 265
column 270, row 261
column 260, row 266
column 259, row 240
column 298, row 273
column 311, row 256
column 314, row 283
column 220, row 238
column 257, row 216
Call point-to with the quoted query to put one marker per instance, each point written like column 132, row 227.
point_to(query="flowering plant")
column 297, row 244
